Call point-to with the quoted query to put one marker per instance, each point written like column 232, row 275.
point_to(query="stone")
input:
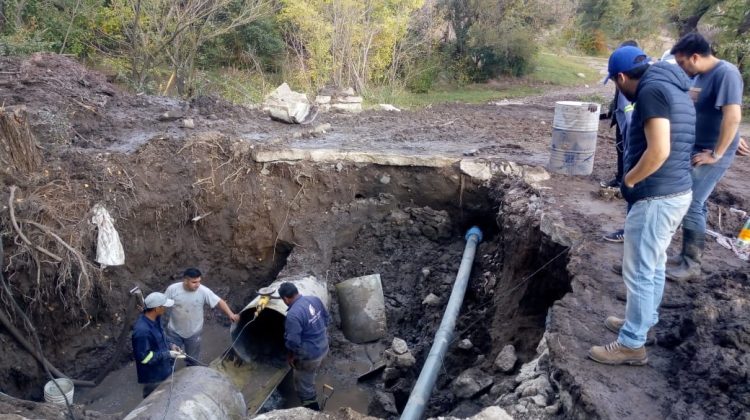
column 385, row 179
column 537, row 386
column 506, row 359
column 491, row 413
column 387, row 402
column 471, row 382
column 539, row 400
column 339, row 166
column 283, row 104
column 581, row 75
column 476, row 169
column 399, row 346
column 348, row 92
column 528, row 371
column 389, row 107
column 553, row 409
column 390, row 374
column 347, row 107
column 520, row 409
column 465, row 344
column 171, row 115
column 405, row 360
column 188, row 123
column 431, row 300
column 321, row 128
column 323, row 99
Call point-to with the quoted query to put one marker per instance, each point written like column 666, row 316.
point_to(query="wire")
column 231, row 346
column 33, row 331
column 171, row 387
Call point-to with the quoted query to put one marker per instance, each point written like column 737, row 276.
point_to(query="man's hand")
column 704, row 158
column 175, row 354
column 234, row 317
column 626, row 181
column 743, row 149
column 290, row 359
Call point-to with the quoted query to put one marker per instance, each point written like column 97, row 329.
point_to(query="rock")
column 347, row 107
column 321, row 129
column 399, row 346
column 339, row 166
column 283, row 104
column 480, row 360
column 385, row 179
column 520, row 409
column 476, row 169
column 390, row 374
column 470, row 383
column 506, row 359
column 188, row 123
column 322, row 99
column 465, row 344
column 539, row 400
column 581, row 75
column 431, row 300
column 348, row 92
column 553, row 409
column 387, row 402
column 491, row 413
column 537, row 386
column 171, row 115
column 389, row 107
column 528, row 371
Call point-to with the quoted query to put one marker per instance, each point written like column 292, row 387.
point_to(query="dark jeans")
column 191, row 345
column 305, row 372
column 619, row 146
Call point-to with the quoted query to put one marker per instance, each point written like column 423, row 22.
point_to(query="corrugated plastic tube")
column 422, row 390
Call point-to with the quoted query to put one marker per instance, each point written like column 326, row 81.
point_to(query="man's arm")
column 656, row 153
column 730, row 123
column 227, row 310
column 293, row 335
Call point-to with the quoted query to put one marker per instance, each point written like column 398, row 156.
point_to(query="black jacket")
column 152, row 360
column 673, row 176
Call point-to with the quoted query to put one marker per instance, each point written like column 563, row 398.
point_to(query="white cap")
column 156, row 299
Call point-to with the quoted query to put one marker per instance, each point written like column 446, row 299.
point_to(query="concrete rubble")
column 284, row 104
column 344, row 100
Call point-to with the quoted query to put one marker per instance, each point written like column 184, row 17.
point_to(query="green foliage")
column 618, row 20
column 492, row 38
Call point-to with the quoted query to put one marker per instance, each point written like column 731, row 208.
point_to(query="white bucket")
column 52, row 393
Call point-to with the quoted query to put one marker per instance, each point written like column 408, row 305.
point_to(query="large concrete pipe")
column 259, row 334
column 362, row 308
column 193, row 393
column 420, row 394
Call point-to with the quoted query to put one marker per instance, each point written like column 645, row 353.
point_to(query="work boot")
column 693, row 243
column 615, row 353
column 614, row 324
column 674, row 260
column 311, row 404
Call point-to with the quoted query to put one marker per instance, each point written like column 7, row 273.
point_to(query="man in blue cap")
column 656, row 185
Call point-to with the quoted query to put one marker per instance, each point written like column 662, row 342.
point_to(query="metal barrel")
column 362, row 308
column 574, row 134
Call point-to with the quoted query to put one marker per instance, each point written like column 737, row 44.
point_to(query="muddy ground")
column 196, row 197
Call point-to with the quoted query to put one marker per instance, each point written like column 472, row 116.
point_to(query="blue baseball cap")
column 625, row 59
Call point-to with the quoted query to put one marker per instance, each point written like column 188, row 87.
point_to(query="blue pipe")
column 422, row 390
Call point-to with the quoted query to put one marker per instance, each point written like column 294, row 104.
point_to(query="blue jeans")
column 705, row 178
column 648, row 231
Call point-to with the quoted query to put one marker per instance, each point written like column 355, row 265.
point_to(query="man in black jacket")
column 153, row 358
column 656, row 184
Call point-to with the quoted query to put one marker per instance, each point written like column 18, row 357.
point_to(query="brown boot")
column 693, row 243
column 616, row 354
column 614, row 324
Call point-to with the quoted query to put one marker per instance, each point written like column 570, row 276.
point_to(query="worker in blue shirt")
column 153, row 358
column 306, row 340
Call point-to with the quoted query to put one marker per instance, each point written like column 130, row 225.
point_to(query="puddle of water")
column 120, row 391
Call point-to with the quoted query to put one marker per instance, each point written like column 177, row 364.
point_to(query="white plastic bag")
column 108, row 247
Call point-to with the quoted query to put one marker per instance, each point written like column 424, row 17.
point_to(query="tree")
column 169, row 32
